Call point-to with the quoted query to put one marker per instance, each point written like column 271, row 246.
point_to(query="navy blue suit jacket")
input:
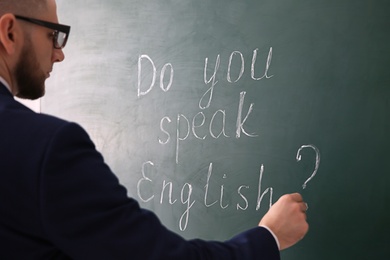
column 59, row 200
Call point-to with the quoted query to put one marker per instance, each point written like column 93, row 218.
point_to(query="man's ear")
column 8, row 33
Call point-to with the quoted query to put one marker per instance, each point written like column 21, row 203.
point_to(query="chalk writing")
column 317, row 163
column 213, row 79
column 186, row 201
column 147, row 183
column 154, row 75
column 269, row 189
column 185, row 126
column 204, row 125
column 267, row 66
column 144, row 179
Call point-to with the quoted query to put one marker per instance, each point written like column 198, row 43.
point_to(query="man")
column 59, row 200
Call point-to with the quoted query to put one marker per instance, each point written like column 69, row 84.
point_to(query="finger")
column 296, row 197
column 304, row 207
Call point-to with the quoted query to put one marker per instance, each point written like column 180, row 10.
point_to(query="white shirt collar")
column 5, row 83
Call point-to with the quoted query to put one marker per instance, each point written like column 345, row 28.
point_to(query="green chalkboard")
column 208, row 111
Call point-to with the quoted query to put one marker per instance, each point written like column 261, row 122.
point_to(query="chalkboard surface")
column 209, row 111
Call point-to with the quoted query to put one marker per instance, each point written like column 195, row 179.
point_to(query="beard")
column 29, row 78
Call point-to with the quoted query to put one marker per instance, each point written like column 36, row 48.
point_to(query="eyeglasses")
column 61, row 31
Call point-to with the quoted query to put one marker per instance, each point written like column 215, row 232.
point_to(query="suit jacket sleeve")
column 87, row 214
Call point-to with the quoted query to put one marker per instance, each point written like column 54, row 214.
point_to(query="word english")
column 186, row 199
column 213, row 195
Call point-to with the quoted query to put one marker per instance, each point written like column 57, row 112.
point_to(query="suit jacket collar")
column 4, row 90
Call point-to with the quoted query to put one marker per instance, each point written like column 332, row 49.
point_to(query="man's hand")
column 287, row 219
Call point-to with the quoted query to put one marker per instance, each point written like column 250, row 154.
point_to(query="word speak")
column 216, row 126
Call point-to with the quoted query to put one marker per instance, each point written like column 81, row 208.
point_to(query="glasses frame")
column 54, row 26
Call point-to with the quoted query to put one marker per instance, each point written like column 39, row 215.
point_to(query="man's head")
column 26, row 7
column 30, row 43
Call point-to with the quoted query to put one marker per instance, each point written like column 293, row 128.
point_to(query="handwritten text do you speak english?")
column 216, row 128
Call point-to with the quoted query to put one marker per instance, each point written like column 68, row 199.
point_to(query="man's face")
column 37, row 57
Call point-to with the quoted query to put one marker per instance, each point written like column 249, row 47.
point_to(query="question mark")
column 318, row 158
